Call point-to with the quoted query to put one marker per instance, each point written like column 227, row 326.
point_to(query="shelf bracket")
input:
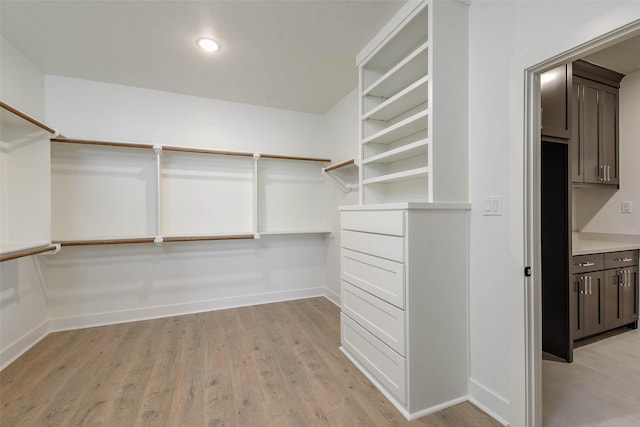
column 53, row 251
column 346, row 188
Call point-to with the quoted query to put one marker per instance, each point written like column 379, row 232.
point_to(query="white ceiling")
column 293, row 54
column 623, row 57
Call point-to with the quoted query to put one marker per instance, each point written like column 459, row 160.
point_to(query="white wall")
column 23, row 310
column 599, row 210
column 21, row 82
column 505, row 39
column 97, row 285
column 341, row 132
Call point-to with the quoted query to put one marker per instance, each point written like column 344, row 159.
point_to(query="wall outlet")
column 627, row 207
column 492, row 205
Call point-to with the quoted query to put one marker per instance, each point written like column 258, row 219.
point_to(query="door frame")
column 532, row 249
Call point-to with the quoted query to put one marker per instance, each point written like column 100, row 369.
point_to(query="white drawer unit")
column 383, row 222
column 382, row 319
column 380, row 245
column 386, row 366
column 380, row 277
column 404, row 301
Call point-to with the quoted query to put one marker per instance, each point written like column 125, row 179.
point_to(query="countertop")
column 592, row 243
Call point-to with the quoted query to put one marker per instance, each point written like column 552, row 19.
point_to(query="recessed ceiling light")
column 207, row 44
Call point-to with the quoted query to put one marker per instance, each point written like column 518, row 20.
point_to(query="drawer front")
column 384, row 364
column 620, row 259
column 389, row 247
column 378, row 276
column 585, row 263
column 380, row 222
column 382, row 319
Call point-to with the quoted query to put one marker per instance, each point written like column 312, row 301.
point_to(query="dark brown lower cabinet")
column 604, row 292
column 588, row 304
column 621, row 296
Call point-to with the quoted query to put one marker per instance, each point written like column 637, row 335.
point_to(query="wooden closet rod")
column 306, row 159
column 339, row 165
column 26, row 252
column 204, row 151
column 123, row 241
column 186, row 149
column 26, row 117
column 104, row 143
column 199, row 238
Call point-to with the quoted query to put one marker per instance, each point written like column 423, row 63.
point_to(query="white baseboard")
column 23, row 344
column 489, row 401
column 408, row 415
column 436, row 408
column 332, row 296
column 147, row 313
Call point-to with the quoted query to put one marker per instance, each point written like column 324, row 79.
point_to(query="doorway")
column 533, row 201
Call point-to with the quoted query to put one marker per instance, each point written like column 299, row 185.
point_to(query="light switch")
column 627, row 207
column 492, row 205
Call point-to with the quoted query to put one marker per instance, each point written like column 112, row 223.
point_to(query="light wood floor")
column 268, row 365
column 600, row 388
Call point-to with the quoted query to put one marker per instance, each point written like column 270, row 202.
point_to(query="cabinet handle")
column 628, row 278
column 624, row 259
column 608, row 173
column 601, row 173
column 622, row 277
column 590, row 287
column 580, row 284
column 586, row 264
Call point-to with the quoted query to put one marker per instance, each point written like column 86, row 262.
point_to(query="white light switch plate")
column 492, row 205
column 627, row 207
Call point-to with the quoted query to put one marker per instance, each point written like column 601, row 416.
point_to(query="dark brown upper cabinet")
column 555, row 100
column 594, row 121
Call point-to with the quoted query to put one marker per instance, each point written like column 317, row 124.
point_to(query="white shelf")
column 406, row 127
column 408, row 98
column 402, row 74
column 398, row 176
column 400, row 153
column 286, row 232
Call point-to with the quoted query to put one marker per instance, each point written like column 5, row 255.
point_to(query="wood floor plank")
column 268, row 365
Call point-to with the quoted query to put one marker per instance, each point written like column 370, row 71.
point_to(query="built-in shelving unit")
column 175, row 194
column 24, row 184
column 395, row 115
column 412, row 109
column 403, row 268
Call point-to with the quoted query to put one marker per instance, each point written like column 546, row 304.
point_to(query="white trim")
column 436, row 408
column 148, row 313
column 333, row 296
column 23, row 344
column 399, row 406
column 486, row 399
column 533, row 302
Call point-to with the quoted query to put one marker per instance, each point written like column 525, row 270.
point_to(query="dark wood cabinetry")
column 587, row 296
column 604, row 292
column 555, row 100
column 621, row 288
column 594, row 125
column 587, row 304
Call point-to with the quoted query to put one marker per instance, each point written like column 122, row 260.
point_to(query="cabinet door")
column 609, row 134
column 555, row 101
column 629, row 297
column 612, row 296
column 576, row 310
column 590, row 130
column 593, row 304
column 577, row 160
